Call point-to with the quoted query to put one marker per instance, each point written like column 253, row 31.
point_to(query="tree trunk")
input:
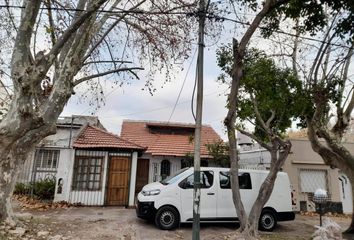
column 231, row 133
column 18, row 137
column 8, row 176
column 334, row 155
column 11, row 163
column 267, row 186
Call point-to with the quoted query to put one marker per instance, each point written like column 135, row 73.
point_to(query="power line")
column 180, row 91
column 104, row 11
column 281, row 32
column 190, row 13
column 161, row 108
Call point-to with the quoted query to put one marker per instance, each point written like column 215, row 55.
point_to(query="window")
column 243, row 178
column 206, row 180
column 165, row 169
column 87, row 173
column 47, row 158
column 312, row 179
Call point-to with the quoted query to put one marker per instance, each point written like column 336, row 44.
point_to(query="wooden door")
column 118, row 181
column 142, row 174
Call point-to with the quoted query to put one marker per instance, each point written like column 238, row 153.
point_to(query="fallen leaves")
column 29, row 203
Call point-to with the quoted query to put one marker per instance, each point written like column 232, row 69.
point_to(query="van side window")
column 206, row 180
column 243, row 178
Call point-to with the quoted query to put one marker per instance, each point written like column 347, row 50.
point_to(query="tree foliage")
column 277, row 92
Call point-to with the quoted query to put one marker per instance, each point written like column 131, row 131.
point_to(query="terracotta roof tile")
column 93, row 137
column 162, row 143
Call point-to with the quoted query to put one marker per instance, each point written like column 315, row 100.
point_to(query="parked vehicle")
column 170, row 201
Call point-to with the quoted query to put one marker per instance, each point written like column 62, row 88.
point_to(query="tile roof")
column 166, row 139
column 94, row 137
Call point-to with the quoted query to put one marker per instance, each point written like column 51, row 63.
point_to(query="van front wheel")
column 267, row 221
column 167, row 218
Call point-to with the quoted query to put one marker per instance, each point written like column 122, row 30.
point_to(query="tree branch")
column 248, row 134
column 70, row 30
column 258, row 115
column 78, row 81
column 90, row 51
column 111, row 61
column 21, row 53
column 343, row 118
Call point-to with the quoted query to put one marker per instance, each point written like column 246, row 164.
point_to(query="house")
column 307, row 172
column 101, row 170
column 168, row 147
column 251, row 154
column 43, row 162
column 91, row 166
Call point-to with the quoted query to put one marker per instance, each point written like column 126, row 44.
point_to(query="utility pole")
column 198, row 123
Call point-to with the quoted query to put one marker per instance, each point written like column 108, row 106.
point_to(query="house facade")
column 102, row 170
column 251, row 154
column 93, row 167
column 44, row 160
column 307, row 172
column 168, row 147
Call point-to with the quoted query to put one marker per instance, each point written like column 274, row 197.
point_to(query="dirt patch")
column 107, row 223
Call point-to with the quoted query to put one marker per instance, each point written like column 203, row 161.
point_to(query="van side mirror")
column 183, row 184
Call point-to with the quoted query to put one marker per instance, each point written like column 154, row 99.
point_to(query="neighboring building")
column 251, row 154
column 44, row 161
column 167, row 147
column 307, row 172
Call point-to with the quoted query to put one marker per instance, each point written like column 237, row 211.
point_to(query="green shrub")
column 44, row 189
column 22, row 188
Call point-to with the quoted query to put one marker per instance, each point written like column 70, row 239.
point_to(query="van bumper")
column 145, row 210
column 285, row 216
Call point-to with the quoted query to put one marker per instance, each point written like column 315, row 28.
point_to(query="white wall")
column 255, row 158
column 65, row 166
column 155, row 161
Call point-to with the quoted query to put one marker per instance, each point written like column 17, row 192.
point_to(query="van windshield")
column 173, row 178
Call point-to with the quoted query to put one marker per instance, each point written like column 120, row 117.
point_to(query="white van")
column 170, row 202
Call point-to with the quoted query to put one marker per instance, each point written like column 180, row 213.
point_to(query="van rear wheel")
column 267, row 221
column 167, row 218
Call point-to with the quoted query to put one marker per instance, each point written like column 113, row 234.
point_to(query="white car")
column 170, row 202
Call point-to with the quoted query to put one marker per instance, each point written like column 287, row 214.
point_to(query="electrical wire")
column 180, row 91
column 191, row 13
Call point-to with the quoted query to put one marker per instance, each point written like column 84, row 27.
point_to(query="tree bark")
column 333, row 154
column 267, row 186
column 230, row 120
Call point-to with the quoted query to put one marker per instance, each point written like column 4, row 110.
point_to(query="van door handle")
column 210, row 193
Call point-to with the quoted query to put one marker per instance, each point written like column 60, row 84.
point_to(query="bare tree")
column 329, row 117
column 61, row 44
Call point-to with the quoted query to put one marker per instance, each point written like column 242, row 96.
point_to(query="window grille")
column 47, row 158
column 87, row 173
column 165, row 169
column 312, row 179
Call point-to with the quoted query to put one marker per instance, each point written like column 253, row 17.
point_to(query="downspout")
column 71, row 129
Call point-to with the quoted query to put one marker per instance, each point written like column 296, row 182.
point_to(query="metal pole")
column 198, row 125
column 320, row 206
